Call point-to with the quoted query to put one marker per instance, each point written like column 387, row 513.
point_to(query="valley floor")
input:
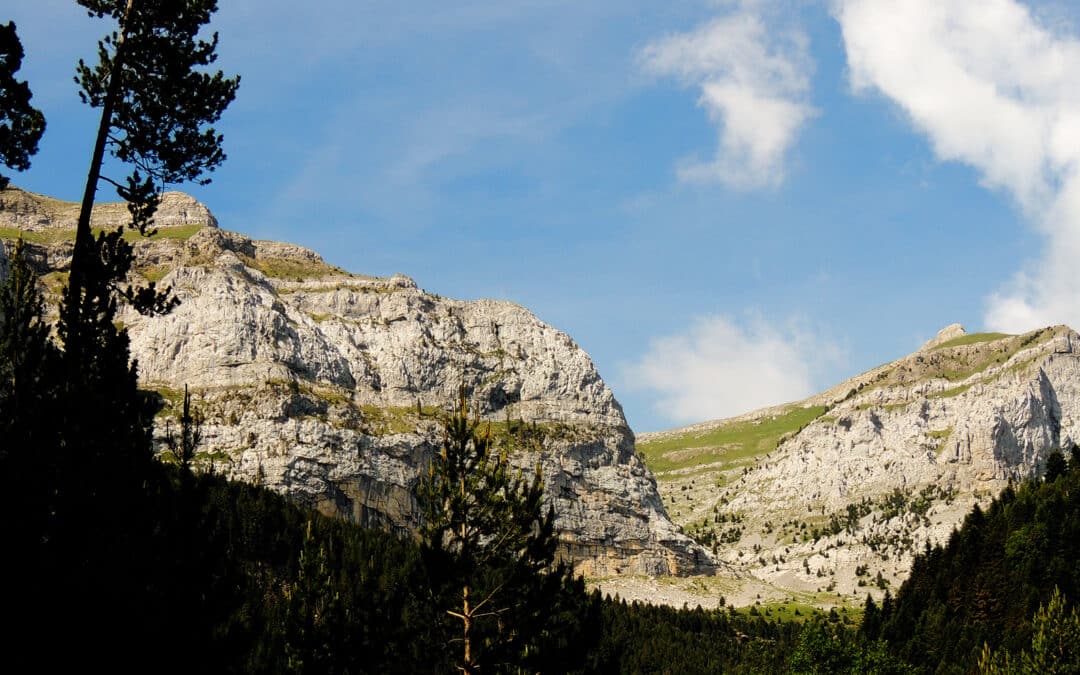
column 712, row 592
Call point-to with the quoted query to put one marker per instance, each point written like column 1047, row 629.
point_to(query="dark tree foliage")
column 25, row 350
column 157, row 103
column 1055, row 645
column 21, row 125
column 75, row 466
column 183, row 446
column 28, row 388
column 825, row 648
column 99, row 549
column 490, row 547
column 987, row 583
column 1055, row 466
column 639, row 638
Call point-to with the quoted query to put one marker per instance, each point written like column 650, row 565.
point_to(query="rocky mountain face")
column 328, row 386
column 834, row 494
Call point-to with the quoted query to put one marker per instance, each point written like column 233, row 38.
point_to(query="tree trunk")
column 466, row 614
column 83, row 235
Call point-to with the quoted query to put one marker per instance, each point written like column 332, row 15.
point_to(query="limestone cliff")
column 327, row 386
column 857, row 479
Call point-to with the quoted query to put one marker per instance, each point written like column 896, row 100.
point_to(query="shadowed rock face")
column 327, row 387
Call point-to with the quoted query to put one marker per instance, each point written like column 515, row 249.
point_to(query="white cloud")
column 754, row 84
column 719, row 368
column 992, row 87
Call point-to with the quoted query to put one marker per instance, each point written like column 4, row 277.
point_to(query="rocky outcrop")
column 328, row 387
column 36, row 213
column 894, row 458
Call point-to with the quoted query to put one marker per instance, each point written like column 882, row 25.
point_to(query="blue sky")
column 727, row 204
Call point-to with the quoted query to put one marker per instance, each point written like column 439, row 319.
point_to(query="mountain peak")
column 950, row 332
column 31, row 212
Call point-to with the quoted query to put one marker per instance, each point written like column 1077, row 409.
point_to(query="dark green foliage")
column 26, row 355
column 183, row 446
column 985, row 586
column 316, row 595
column 165, row 101
column 490, row 548
column 157, row 100
column 156, row 104
column 29, row 365
column 825, row 648
column 77, row 466
column 637, row 638
column 21, row 125
column 1055, row 645
column 1055, row 466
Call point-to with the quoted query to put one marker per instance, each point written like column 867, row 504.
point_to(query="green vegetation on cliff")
column 729, row 444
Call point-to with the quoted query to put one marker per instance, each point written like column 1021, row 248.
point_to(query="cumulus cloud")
column 754, row 83
column 720, row 368
column 994, row 88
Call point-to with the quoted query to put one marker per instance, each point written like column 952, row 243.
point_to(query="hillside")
column 830, row 497
column 326, row 386
column 987, row 583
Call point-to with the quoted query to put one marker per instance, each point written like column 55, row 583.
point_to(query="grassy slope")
column 54, row 236
column 727, row 446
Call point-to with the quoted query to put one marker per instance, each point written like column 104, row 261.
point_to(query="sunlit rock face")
column 328, row 386
column 889, row 461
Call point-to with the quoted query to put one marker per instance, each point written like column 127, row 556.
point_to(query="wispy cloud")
column 754, row 82
column 719, row 367
column 991, row 86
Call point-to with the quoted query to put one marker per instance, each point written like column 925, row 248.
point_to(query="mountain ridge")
column 326, row 386
column 818, row 497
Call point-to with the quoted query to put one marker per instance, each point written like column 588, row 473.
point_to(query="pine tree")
column 24, row 347
column 183, row 448
column 314, row 612
column 156, row 102
column 1055, row 644
column 491, row 545
column 21, row 125
column 156, row 107
column 1055, row 466
column 28, row 384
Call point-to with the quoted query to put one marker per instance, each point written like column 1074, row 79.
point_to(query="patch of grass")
column 285, row 268
column 171, row 400
column 212, row 456
column 58, row 235
column 55, row 282
column 942, row 438
column 973, row 338
column 183, row 232
column 802, row 608
column 727, row 444
column 389, row 421
column 940, row 433
column 45, row 237
column 950, row 393
column 155, row 274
